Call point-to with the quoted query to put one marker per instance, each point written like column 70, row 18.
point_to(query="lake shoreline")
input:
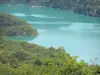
column 81, row 9
column 77, row 33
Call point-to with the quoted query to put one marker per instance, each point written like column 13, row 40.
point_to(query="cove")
column 78, row 34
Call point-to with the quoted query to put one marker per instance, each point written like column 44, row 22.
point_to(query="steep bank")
column 86, row 7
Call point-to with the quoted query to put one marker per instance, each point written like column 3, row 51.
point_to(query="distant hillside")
column 12, row 26
column 86, row 7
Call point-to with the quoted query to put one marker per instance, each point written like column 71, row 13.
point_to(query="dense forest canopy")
column 13, row 26
column 86, row 7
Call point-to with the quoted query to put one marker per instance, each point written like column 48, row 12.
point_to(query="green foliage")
column 86, row 7
column 12, row 26
column 22, row 58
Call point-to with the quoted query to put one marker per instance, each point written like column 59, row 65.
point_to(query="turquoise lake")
column 78, row 34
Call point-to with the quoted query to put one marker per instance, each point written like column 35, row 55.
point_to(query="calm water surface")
column 80, row 35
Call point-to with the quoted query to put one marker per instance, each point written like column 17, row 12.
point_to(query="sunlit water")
column 80, row 35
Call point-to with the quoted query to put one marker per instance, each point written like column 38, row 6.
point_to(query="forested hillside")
column 12, row 26
column 21, row 58
column 86, row 7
